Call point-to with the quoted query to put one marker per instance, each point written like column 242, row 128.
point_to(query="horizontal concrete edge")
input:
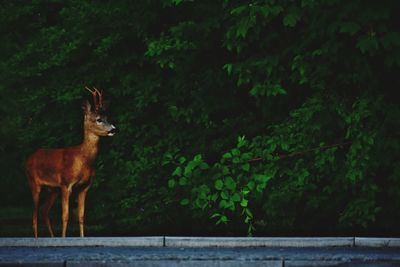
column 231, row 242
column 172, row 262
column 148, row 241
column 199, row 242
column 33, row 263
column 377, row 242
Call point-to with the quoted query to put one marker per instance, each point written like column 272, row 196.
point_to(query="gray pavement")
column 195, row 251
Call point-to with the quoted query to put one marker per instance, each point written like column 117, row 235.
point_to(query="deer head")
column 95, row 119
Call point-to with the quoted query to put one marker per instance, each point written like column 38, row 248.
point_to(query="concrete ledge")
column 231, row 242
column 315, row 263
column 179, row 263
column 33, row 264
column 150, row 241
column 202, row 242
column 377, row 242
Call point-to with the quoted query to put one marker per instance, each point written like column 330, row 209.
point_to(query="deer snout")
column 112, row 131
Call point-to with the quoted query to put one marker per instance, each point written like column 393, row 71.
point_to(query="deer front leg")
column 65, row 192
column 81, row 209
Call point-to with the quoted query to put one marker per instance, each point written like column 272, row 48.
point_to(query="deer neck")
column 89, row 145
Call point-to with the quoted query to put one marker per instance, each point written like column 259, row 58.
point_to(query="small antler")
column 97, row 98
column 100, row 95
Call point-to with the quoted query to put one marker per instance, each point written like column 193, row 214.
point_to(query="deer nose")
column 112, row 131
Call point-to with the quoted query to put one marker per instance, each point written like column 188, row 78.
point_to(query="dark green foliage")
column 235, row 117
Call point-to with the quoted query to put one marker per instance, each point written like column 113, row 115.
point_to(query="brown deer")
column 68, row 168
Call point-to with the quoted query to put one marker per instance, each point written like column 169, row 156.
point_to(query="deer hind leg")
column 51, row 198
column 65, row 193
column 35, row 196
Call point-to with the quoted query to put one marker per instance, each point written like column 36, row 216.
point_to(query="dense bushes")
column 261, row 117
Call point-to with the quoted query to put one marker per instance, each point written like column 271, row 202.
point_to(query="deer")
column 64, row 169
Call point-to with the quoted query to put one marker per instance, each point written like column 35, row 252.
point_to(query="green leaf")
column 236, row 197
column 317, row 52
column 183, row 181
column 223, row 204
column 370, row 140
column 239, row 10
column 246, row 167
column 225, row 170
column 248, row 213
column 204, row 166
column 244, row 203
column 236, row 160
column 182, row 160
column 167, row 159
column 230, row 183
column 243, row 27
column 227, row 155
column 350, row 28
column 223, row 219
column 177, row 2
column 235, row 152
column 177, row 172
column 197, row 158
column 260, row 188
column 367, row 43
column 262, row 178
column 391, row 40
column 246, row 156
column 241, row 141
column 188, row 170
column 171, row 183
column 276, row 90
column 224, row 195
column 272, row 147
column 215, row 215
column 231, row 205
column 218, row 184
column 204, row 190
column 285, row 146
column 228, row 68
column 251, row 185
column 290, row 20
column 292, row 17
column 257, row 89
column 184, row 202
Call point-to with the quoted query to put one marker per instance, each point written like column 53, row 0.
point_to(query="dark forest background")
column 259, row 117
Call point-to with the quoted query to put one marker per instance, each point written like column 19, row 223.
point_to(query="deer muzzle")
column 112, row 131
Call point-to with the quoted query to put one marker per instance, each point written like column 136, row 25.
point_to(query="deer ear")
column 86, row 107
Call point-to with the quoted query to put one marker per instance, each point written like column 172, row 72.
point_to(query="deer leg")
column 81, row 209
column 65, row 191
column 35, row 197
column 46, row 209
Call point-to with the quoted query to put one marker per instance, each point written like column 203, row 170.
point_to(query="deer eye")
column 99, row 120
